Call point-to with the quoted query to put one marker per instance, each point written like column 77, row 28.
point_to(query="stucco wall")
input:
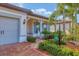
column 30, row 23
column 16, row 14
column 67, row 27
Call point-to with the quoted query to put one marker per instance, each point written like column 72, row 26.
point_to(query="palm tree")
column 61, row 9
column 53, row 18
column 70, row 12
column 58, row 12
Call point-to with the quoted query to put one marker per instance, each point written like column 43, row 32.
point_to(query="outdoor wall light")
column 24, row 21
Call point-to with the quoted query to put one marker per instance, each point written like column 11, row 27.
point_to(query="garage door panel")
column 10, row 28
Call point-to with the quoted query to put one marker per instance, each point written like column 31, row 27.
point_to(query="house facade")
column 17, row 23
column 35, row 25
column 64, row 25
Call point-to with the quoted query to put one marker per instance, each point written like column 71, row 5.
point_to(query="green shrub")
column 62, row 42
column 49, row 46
column 65, row 52
column 56, row 36
column 57, row 32
column 48, row 42
column 68, row 37
column 46, row 33
column 44, row 45
column 55, row 50
column 31, row 39
column 75, row 53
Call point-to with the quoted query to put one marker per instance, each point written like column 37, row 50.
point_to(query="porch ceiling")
column 36, row 19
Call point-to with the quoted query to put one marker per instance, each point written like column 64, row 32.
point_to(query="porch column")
column 48, row 27
column 33, row 30
column 41, row 24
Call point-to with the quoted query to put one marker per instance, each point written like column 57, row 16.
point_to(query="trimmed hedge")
column 47, row 34
column 31, row 39
column 55, row 50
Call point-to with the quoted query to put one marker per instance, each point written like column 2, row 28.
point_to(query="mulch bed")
column 72, row 46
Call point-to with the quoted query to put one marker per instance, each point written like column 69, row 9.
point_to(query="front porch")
column 35, row 26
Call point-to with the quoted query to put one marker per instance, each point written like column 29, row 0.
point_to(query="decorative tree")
column 69, row 10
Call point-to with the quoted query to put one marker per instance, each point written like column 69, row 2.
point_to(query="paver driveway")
column 19, row 49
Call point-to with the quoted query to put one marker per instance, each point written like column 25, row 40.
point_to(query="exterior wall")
column 30, row 26
column 67, row 27
column 52, row 28
column 16, row 14
column 30, row 23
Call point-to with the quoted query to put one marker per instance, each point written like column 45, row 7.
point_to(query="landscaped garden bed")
column 31, row 39
column 72, row 46
column 54, row 49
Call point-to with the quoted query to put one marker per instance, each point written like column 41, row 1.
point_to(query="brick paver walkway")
column 20, row 49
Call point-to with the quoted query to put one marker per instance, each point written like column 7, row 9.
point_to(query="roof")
column 40, row 16
column 28, row 11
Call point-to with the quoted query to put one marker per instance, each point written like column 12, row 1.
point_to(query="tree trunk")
column 55, row 26
column 75, row 25
column 59, row 36
column 63, row 22
column 63, row 26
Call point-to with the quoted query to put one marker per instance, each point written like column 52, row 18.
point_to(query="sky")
column 44, row 9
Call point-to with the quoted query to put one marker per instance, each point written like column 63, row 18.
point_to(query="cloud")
column 42, row 11
column 18, row 4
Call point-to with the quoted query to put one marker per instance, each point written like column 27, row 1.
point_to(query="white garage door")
column 8, row 30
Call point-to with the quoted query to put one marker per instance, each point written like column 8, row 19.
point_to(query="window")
column 36, row 27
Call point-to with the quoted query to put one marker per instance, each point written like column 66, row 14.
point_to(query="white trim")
column 10, row 13
column 22, row 27
column 34, row 17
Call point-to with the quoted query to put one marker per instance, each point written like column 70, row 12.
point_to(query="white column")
column 23, row 29
column 48, row 28
column 33, row 30
column 41, row 24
